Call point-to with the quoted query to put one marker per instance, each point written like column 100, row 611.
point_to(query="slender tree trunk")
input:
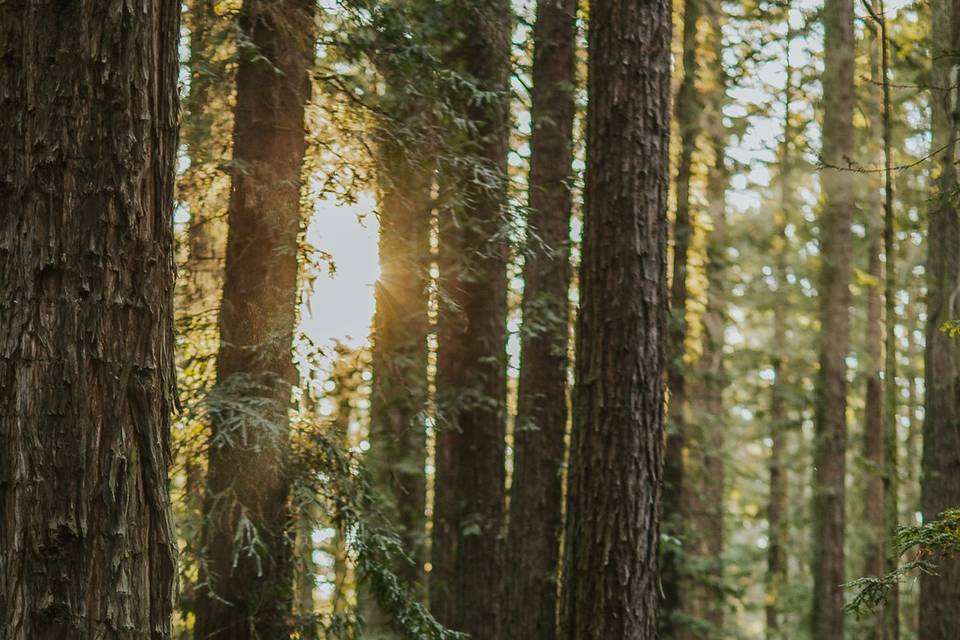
column 891, row 611
column 611, row 582
column 689, row 114
column 872, row 500
column 536, row 504
column 87, row 546
column 940, row 594
column 836, row 249
column 702, row 495
column 203, row 188
column 249, row 564
column 398, row 439
column 705, row 499
column 776, row 578
column 465, row 582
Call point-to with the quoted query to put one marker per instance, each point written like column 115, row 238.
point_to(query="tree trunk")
column 708, row 497
column 203, row 187
column 465, row 582
column 836, row 249
column 689, row 113
column 87, row 546
column 940, row 594
column 777, row 503
column 611, row 582
column 248, row 553
column 536, row 518
column 397, row 429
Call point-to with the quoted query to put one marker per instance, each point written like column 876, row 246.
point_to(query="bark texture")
column 536, row 495
column 940, row 594
column 834, row 292
column 88, row 93
column 249, row 581
column 465, row 581
column 611, row 581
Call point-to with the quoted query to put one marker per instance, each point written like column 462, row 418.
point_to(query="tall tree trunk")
column 689, row 113
column 397, row 429
column 872, row 499
column 776, row 577
column 940, row 594
column 465, row 581
column 891, row 610
column 536, row 498
column 705, row 498
column 203, row 187
column 611, row 582
column 836, row 249
column 249, row 563
column 87, row 546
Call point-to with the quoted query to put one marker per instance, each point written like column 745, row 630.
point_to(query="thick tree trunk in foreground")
column 536, row 508
column 611, row 582
column 465, row 582
column 940, row 594
column 689, row 112
column 248, row 554
column 87, row 547
column 836, row 249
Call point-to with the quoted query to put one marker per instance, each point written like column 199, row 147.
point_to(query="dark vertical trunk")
column 536, row 521
column 891, row 503
column 87, row 547
column 611, row 581
column 397, row 430
column 873, row 436
column 249, row 589
column 689, row 111
column 834, row 292
column 940, row 594
column 465, row 582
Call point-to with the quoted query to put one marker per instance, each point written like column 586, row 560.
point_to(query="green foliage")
column 938, row 538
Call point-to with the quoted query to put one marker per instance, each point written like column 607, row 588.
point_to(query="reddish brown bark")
column 88, row 93
column 611, row 580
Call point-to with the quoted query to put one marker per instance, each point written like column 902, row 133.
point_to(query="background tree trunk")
column 536, row 495
column 249, row 565
column 611, row 581
column 836, row 249
column 689, row 114
column 465, row 582
column 777, row 503
column 398, row 403
column 940, row 594
column 87, row 547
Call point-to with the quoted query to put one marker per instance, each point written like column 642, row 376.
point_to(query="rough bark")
column 249, row 588
column 834, row 292
column 689, row 114
column 940, row 594
column 536, row 495
column 87, row 546
column 465, row 581
column 611, row 582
